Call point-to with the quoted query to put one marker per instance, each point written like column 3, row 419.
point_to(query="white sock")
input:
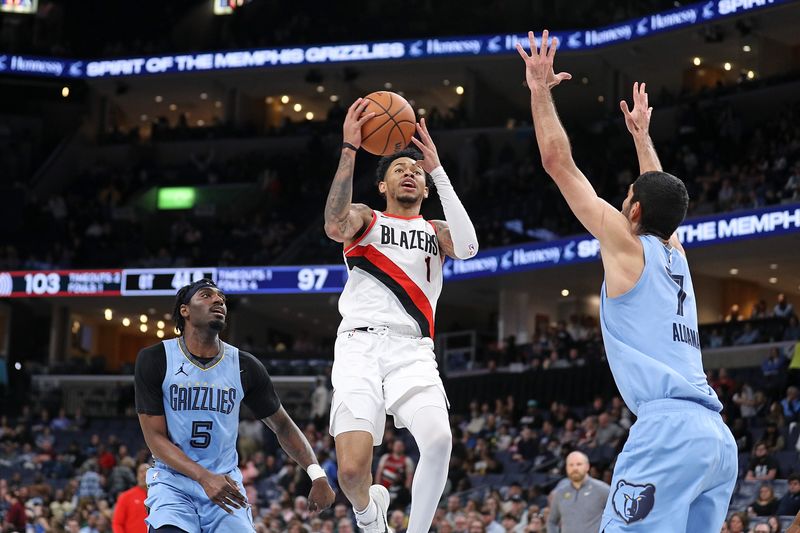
column 431, row 430
column 368, row 515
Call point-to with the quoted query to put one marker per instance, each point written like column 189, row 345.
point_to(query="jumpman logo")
column 182, row 371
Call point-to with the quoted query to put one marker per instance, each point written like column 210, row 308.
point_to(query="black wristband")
column 349, row 146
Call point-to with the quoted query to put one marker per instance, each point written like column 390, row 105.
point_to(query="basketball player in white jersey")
column 383, row 356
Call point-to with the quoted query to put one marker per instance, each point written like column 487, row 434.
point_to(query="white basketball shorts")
column 375, row 373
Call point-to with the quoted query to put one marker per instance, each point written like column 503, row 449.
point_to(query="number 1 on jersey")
column 428, row 267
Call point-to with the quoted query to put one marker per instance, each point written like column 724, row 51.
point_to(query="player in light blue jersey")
column 678, row 468
column 188, row 394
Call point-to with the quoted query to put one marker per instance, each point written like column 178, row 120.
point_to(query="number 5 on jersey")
column 201, row 436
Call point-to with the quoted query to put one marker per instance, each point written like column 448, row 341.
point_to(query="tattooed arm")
column 343, row 219
column 444, row 238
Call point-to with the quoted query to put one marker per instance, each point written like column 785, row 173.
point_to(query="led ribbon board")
column 477, row 45
column 306, row 279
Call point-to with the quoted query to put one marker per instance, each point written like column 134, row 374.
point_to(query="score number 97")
column 311, row 278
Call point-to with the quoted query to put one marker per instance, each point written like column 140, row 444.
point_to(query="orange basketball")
column 393, row 125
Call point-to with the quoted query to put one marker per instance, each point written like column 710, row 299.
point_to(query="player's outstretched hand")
column 321, row 496
column 539, row 65
column 638, row 120
column 354, row 120
column 430, row 157
column 223, row 491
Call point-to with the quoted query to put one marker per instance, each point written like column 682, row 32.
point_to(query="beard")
column 575, row 476
column 407, row 199
column 216, row 325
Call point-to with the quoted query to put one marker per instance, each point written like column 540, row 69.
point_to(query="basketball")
column 392, row 127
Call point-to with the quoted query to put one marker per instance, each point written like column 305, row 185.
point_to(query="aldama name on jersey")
column 202, row 399
column 411, row 239
column 681, row 333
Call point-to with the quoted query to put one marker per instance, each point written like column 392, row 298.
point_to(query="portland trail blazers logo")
column 181, row 371
column 634, row 502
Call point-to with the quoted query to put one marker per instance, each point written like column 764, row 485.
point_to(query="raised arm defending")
column 638, row 124
column 621, row 249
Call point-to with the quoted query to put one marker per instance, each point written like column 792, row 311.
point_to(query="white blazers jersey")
column 395, row 275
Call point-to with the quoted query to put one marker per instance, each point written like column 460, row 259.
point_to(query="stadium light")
column 750, row 74
column 160, row 334
column 773, row 280
column 565, row 292
column 65, row 91
column 746, row 48
column 727, row 66
column 143, row 328
column 126, row 322
column 143, row 319
column 309, row 116
column 108, row 314
column 459, row 90
column 160, row 324
column 696, row 61
column 176, row 197
column 298, row 107
column 285, row 99
column 734, row 271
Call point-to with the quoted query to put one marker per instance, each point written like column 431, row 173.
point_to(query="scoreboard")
column 167, row 281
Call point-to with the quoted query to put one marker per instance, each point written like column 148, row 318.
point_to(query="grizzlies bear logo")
column 633, row 502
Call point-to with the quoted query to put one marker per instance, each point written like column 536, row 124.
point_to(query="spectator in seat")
column 738, row 523
column 759, row 310
column 526, row 446
column 748, row 336
column 783, row 309
column 762, row 467
column 773, row 438
column 396, row 472
column 15, row 517
column 766, row 504
column 715, row 339
column 791, row 404
column 773, row 364
column 608, row 431
column 789, row 505
column 792, row 331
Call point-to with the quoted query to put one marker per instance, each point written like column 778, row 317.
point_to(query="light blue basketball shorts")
column 176, row 500
column 676, row 472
